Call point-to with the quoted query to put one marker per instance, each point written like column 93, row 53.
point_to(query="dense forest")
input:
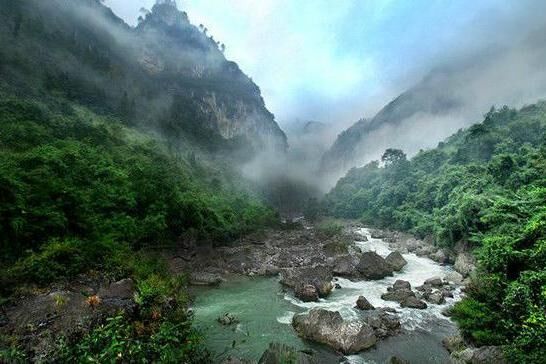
column 484, row 186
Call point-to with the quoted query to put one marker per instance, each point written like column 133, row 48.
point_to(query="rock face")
column 348, row 337
column 373, row 266
column 280, row 353
column 309, row 283
column 363, row 304
column 396, row 261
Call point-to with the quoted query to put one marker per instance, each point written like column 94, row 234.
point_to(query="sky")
column 338, row 61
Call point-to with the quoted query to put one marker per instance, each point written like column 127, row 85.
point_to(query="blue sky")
column 337, row 61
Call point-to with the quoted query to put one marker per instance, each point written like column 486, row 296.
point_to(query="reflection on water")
column 265, row 313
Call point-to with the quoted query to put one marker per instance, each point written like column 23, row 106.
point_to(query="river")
column 265, row 311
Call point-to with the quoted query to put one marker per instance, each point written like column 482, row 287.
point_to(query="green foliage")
column 486, row 186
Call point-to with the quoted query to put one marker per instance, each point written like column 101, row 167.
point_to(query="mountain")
column 165, row 75
column 449, row 97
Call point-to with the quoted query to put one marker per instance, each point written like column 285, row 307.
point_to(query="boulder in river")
column 399, row 295
column 436, row 297
column 401, row 284
column 396, row 261
column 396, row 360
column 299, row 279
column 280, row 353
column 363, row 304
column 413, row 302
column 328, row 327
column 227, row 319
column 434, row 282
column 373, row 266
column 306, row 292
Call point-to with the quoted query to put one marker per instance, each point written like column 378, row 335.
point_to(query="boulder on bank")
column 363, row 304
column 453, row 343
column 454, row 277
column 373, row 266
column 345, row 265
column 280, row 353
column 464, row 264
column 396, row 261
column 301, row 279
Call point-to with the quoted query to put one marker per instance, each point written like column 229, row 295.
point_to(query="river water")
column 265, row 311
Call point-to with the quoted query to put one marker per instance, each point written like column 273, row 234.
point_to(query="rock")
column 399, row 295
column 373, row 266
column 307, row 293
column 436, row 298
column 280, row 353
column 439, row 256
column 319, row 276
column 463, row 357
column 413, row 302
column 401, row 284
column 454, row 277
column 434, row 282
column 329, row 328
column 378, row 234
column 337, row 286
column 488, row 355
column 363, row 304
column 205, row 279
column 383, row 323
column 345, row 265
column 396, row 360
column 453, row 343
column 359, row 236
column 396, row 261
column 464, row 264
column 447, row 293
column 123, row 289
column 227, row 319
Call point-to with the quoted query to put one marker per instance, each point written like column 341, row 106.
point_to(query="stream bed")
column 265, row 312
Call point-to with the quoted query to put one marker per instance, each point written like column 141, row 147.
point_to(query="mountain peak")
column 167, row 12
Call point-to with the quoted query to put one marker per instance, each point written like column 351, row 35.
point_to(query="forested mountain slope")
column 165, row 75
column 485, row 186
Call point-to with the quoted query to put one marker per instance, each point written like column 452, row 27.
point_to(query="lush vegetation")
column 485, row 187
column 79, row 192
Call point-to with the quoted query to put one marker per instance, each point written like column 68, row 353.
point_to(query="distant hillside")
column 165, row 75
column 448, row 98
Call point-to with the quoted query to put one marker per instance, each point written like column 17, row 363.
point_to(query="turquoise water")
column 265, row 312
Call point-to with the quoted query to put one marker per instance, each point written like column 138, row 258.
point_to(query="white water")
column 416, row 272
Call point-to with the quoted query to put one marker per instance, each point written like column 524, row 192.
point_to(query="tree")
column 393, row 157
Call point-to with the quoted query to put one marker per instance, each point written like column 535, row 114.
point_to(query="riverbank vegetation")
column 485, row 187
